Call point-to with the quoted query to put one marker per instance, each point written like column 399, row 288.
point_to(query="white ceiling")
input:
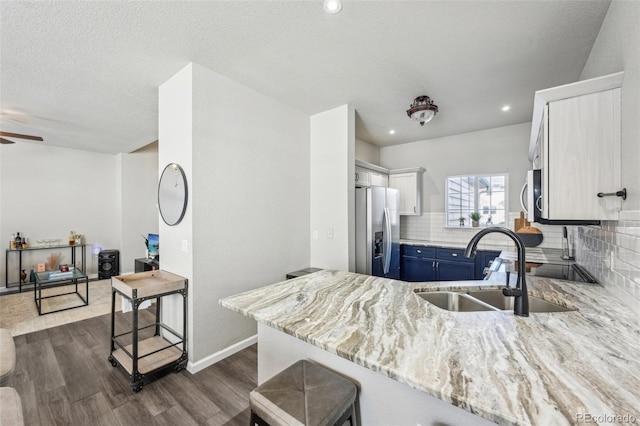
column 85, row 74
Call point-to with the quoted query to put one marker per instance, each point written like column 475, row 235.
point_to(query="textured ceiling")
column 85, row 74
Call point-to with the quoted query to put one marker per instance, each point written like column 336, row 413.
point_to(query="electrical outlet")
column 329, row 233
column 185, row 246
column 315, row 235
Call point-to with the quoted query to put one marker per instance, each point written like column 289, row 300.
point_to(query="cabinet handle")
column 357, row 177
column 414, row 209
column 434, row 265
column 622, row 194
column 454, row 254
column 418, row 251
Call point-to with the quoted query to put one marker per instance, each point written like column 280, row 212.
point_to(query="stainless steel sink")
column 457, row 302
column 485, row 300
column 502, row 302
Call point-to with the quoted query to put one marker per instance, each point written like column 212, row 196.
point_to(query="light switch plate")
column 185, row 246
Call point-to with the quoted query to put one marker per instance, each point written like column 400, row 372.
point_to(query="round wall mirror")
column 172, row 194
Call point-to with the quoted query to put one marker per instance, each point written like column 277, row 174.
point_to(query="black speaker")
column 108, row 264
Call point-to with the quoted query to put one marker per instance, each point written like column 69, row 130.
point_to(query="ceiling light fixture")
column 392, row 132
column 506, row 108
column 422, row 110
column 332, row 6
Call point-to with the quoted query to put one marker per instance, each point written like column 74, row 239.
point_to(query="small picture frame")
column 41, row 267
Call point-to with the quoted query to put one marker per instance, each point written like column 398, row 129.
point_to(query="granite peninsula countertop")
column 543, row 370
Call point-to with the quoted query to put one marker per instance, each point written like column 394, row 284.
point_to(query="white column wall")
column 247, row 224
column 333, row 189
column 175, row 146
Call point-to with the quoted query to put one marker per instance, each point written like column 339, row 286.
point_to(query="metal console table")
column 20, row 251
column 160, row 353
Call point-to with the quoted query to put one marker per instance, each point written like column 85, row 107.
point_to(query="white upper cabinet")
column 576, row 142
column 371, row 175
column 409, row 183
column 363, row 177
column 379, row 179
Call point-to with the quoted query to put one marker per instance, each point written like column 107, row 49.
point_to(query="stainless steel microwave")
column 531, row 200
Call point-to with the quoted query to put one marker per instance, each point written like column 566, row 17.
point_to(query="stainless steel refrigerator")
column 378, row 232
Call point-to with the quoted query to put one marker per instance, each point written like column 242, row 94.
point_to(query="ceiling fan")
column 17, row 135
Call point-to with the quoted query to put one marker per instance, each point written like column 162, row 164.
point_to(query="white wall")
column 248, row 215
column 617, row 48
column 48, row 191
column 333, row 189
column 139, row 202
column 175, row 146
column 367, row 152
column 498, row 150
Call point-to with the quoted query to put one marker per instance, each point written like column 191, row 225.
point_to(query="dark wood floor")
column 63, row 377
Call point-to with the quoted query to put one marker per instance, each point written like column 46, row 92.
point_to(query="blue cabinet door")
column 454, row 271
column 415, row 269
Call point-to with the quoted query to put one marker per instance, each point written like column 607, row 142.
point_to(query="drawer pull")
column 418, row 251
column 454, row 254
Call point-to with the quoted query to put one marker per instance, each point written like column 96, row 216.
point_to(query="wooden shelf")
column 151, row 362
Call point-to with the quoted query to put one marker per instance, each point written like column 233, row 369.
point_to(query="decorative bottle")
column 72, row 238
column 18, row 241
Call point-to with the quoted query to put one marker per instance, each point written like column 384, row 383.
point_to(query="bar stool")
column 10, row 403
column 11, row 408
column 303, row 394
column 7, row 356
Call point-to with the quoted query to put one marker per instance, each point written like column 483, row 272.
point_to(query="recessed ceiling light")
column 392, row 132
column 506, row 108
column 332, row 6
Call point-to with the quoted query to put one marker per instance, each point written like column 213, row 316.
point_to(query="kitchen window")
column 486, row 194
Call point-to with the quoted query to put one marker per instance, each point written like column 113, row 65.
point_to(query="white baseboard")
column 194, row 367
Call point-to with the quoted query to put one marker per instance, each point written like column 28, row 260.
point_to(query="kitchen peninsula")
column 409, row 356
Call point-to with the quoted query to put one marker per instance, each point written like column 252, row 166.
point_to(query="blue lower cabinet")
column 447, row 270
column 415, row 269
column 422, row 263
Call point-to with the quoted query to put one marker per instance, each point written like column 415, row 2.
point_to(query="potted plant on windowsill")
column 475, row 219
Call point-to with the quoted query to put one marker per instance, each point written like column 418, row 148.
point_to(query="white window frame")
column 476, row 201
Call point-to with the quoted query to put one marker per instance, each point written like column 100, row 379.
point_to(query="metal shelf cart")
column 144, row 360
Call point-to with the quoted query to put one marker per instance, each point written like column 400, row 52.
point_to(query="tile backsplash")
column 611, row 252
column 431, row 227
